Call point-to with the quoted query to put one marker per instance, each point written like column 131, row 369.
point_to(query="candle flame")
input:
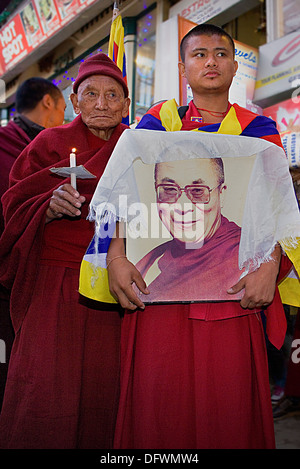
column 73, row 150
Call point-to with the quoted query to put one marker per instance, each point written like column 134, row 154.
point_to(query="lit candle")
column 73, row 165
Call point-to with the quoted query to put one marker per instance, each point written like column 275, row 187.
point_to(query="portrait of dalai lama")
column 200, row 262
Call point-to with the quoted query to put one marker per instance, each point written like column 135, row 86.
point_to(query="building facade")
column 50, row 38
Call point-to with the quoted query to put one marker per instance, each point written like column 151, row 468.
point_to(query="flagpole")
column 116, row 48
column 116, row 10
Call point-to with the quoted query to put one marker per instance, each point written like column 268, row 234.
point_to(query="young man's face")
column 187, row 221
column 209, row 65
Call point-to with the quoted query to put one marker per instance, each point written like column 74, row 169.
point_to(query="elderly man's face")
column 188, row 221
column 100, row 100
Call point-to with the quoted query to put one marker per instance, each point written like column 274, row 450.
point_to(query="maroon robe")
column 62, row 385
column 12, row 141
column 195, row 376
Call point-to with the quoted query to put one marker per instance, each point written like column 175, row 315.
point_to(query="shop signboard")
column 243, row 84
column 201, row 11
column 279, row 68
column 32, row 25
column 286, row 114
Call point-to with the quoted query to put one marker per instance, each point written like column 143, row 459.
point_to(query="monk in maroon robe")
column 62, row 387
column 13, row 140
column 39, row 104
column 196, row 375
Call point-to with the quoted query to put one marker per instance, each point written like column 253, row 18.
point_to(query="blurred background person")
column 39, row 104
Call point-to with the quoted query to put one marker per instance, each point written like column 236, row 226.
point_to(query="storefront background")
column 59, row 34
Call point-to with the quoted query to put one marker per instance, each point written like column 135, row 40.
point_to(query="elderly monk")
column 62, row 386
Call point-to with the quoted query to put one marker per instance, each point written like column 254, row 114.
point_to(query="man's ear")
column 74, row 101
column 125, row 111
column 47, row 101
column 236, row 66
column 181, row 68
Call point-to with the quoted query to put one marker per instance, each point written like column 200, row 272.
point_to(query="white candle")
column 73, row 165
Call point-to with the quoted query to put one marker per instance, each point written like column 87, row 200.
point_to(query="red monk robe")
column 66, row 396
column 196, row 376
column 13, row 140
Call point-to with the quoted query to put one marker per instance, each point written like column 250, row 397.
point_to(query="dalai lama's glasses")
column 170, row 193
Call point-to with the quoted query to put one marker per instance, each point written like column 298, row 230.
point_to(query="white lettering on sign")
column 11, row 42
column 8, row 34
column 194, row 7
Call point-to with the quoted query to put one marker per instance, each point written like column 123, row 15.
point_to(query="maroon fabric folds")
column 13, row 140
column 62, row 387
column 189, row 384
column 191, row 379
column 63, row 379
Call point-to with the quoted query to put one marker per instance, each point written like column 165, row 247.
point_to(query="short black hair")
column 204, row 30
column 32, row 91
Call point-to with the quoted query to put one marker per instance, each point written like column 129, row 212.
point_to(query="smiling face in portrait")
column 182, row 187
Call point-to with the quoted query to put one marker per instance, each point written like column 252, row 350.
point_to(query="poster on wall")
column 48, row 15
column 14, row 46
column 243, row 84
column 67, row 9
column 31, row 25
column 287, row 117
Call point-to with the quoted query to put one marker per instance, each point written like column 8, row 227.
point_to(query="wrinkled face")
column 100, row 100
column 187, row 221
column 58, row 113
column 209, row 63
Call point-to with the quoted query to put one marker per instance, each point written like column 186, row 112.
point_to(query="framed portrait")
column 200, row 211
column 185, row 235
